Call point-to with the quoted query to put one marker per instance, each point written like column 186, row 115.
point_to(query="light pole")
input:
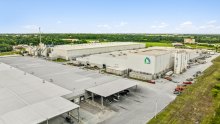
column 155, row 116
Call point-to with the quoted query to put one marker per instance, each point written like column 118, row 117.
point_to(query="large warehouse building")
column 69, row 52
column 147, row 63
column 76, row 80
column 26, row 99
column 151, row 62
column 181, row 57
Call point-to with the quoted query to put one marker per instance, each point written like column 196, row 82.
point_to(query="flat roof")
column 20, row 91
column 93, row 45
column 152, row 52
column 111, row 88
column 70, row 77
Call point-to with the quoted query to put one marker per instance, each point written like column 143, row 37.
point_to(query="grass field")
column 8, row 53
column 60, row 60
column 160, row 44
column 199, row 103
column 200, row 46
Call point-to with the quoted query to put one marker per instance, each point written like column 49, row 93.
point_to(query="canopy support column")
column 102, row 101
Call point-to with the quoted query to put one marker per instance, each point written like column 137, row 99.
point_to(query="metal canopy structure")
column 39, row 112
column 111, row 88
column 26, row 99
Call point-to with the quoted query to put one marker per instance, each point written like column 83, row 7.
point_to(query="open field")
column 200, row 46
column 197, row 104
column 162, row 44
column 8, row 53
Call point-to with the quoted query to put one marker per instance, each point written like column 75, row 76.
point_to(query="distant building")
column 177, row 44
column 189, row 41
column 70, row 40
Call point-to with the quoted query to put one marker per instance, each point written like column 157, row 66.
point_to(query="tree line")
column 8, row 40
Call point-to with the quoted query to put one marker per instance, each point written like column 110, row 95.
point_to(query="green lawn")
column 60, row 60
column 160, row 44
column 8, row 53
column 198, row 103
column 200, row 46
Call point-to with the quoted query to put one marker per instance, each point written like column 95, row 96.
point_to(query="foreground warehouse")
column 76, row 80
column 69, row 52
column 26, row 99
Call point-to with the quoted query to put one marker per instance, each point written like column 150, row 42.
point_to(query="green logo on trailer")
column 147, row 60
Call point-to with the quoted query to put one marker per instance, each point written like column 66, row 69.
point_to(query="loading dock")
column 110, row 88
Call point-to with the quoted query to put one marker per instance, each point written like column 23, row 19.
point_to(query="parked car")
column 177, row 92
column 198, row 72
column 168, row 78
column 69, row 120
column 151, row 81
column 187, row 82
column 124, row 93
column 189, row 79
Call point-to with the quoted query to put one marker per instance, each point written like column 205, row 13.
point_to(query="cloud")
column 104, row 26
column 209, row 25
column 59, row 22
column 212, row 22
column 186, row 24
column 122, row 24
column 160, row 26
column 31, row 27
column 107, row 26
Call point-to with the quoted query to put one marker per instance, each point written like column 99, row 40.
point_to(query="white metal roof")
column 94, row 45
column 39, row 112
column 20, row 91
column 72, row 78
column 113, row 87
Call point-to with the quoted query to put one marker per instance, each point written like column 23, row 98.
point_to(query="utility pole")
column 40, row 34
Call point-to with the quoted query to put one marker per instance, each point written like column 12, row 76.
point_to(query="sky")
column 110, row 16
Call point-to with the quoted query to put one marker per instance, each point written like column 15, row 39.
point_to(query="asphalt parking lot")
column 137, row 108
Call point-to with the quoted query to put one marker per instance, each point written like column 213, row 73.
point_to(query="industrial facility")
column 26, row 99
column 70, row 52
column 144, row 64
column 150, row 62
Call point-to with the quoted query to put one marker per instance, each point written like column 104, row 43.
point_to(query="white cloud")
column 160, row 26
column 122, row 24
column 59, row 22
column 209, row 25
column 212, row 22
column 186, row 24
column 104, row 26
column 31, row 27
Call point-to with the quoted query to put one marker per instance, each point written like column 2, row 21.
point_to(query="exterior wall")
column 140, row 76
column 163, row 63
column 180, row 62
column 137, row 63
column 189, row 40
column 115, row 71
